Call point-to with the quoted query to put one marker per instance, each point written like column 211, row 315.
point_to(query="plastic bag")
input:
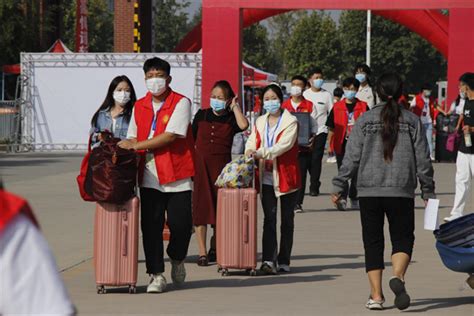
column 237, row 174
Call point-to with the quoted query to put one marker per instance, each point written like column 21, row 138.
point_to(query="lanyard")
column 270, row 141
column 155, row 118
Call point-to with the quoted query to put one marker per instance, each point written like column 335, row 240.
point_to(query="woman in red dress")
column 213, row 130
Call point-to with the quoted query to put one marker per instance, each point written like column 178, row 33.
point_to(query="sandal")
column 202, row 261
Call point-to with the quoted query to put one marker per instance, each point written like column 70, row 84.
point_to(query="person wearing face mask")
column 115, row 112
column 323, row 103
column 423, row 106
column 297, row 103
column 465, row 158
column 160, row 130
column 213, row 129
column 340, row 122
column 273, row 143
column 362, row 73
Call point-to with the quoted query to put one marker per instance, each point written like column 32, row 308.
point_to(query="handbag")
column 83, row 175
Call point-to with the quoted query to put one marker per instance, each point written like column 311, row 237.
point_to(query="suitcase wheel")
column 101, row 289
column 132, row 289
column 225, row 272
column 219, row 270
column 253, row 272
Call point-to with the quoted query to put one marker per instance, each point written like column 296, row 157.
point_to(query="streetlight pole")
column 369, row 30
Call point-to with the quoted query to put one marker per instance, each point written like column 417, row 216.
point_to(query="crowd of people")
column 381, row 143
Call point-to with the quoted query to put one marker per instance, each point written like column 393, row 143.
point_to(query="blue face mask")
column 361, row 77
column 318, row 83
column 217, row 105
column 349, row 94
column 271, row 106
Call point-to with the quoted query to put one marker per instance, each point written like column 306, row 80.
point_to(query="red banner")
column 82, row 41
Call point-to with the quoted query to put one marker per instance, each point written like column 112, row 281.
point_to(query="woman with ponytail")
column 388, row 151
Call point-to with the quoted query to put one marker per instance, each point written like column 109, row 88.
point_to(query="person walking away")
column 273, row 143
column 387, row 148
column 160, row 129
column 213, row 130
column 323, row 102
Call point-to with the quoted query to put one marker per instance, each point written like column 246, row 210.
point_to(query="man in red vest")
column 297, row 103
column 340, row 122
column 160, row 130
column 423, row 106
column 30, row 283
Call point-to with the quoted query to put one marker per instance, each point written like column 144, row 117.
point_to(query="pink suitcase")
column 116, row 245
column 237, row 230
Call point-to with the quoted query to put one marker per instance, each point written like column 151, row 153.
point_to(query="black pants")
column 304, row 159
column 348, row 190
column 316, row 163
column 180, row 222
column 269, row 203
column 401, row 219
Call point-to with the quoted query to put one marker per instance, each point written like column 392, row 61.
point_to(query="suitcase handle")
column 246, row 228
column 124, row 240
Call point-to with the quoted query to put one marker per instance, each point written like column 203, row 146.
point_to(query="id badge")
column 269, row 165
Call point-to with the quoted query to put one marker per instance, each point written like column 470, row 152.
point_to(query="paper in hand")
column 431, row 215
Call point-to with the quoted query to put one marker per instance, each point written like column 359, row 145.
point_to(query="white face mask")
column 156, row 86
column 295, row 91
column 121, row 97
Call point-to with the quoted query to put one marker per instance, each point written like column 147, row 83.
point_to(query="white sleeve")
column 132, row 126
column 29, row 279
column 180, row 119
column 330, row 102
column 413, row 103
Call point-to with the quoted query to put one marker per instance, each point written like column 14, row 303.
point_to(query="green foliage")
column 256, row 48
column 171, row 24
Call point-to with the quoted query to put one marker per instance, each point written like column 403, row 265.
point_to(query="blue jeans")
column 429, row 135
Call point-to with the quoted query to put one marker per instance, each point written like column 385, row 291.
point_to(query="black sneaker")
column 402, row 299
column 212, row 255
column 314, row 192
column 268, row 267
column 298, row 208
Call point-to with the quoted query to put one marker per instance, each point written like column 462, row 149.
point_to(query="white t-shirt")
column 322, row 105
column 268, row 175
column 30, row 283
column 178, row 124
column 366, row 94
column 457, row 109
column 425, row 115
column 114, row 121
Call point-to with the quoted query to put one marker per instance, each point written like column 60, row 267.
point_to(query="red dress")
column 213, row 144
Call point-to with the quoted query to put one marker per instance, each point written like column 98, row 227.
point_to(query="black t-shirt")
column 468, row 114
column 330, row 120
column 209, row 116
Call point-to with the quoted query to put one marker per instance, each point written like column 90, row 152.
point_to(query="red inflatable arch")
column 219, row 36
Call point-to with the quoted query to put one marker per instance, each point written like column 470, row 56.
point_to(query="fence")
column 9, row 122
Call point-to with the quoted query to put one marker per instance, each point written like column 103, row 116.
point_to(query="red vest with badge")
column 420, row 105
column 305, row 106
column 173, row 162
column 341, row 121
column 287, row 166
column 11, row 206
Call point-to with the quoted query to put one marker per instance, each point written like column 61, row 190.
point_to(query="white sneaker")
column 331, row 159
column 375, row 305
column 283, row 268
column 451, row 218
column 341, row 205
column 268, row 268
column 354, row 204
column 157, row 284
column 178, row 272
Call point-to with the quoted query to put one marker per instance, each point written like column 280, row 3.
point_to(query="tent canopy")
column 252, row 73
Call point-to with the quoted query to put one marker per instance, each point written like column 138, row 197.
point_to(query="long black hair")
column 109, row 101
column 389, row 89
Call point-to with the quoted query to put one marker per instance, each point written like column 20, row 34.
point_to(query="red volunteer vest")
column 11, row 206
column 175, row 161
column 420, row 104
column 305, row 106
column 287, row 166
column 341, row 119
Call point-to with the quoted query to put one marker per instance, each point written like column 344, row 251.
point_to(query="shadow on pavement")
column 24, row 163
column 429, row 304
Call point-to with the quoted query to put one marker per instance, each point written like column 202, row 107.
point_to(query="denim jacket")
column 104, row 123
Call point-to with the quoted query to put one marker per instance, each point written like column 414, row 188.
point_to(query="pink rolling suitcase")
column 237, row 230
column 116, row 245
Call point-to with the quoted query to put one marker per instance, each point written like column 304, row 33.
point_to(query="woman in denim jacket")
column 114, row 114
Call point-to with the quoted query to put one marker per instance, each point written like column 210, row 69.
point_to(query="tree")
column 171, row 24
column 314, row 42
column 393, row 48
column 256, row 47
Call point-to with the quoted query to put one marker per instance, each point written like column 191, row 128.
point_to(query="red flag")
column 82, row 41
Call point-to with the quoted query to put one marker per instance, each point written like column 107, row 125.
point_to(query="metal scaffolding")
column 31, row 121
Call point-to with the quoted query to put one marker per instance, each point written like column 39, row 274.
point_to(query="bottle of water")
column 467, row 139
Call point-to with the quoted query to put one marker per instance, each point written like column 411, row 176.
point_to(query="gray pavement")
column 327, row 278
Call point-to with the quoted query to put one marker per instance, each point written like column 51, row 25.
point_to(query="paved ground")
column 327, row 278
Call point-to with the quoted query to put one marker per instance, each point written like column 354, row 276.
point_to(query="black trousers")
column 348, row 190
column 180, row 222
column 316, row 162
column 270, row 244
column 304, row 160
column 401, row 219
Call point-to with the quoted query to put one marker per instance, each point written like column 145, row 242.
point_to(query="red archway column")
column 461, row 48
column 221, row 54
